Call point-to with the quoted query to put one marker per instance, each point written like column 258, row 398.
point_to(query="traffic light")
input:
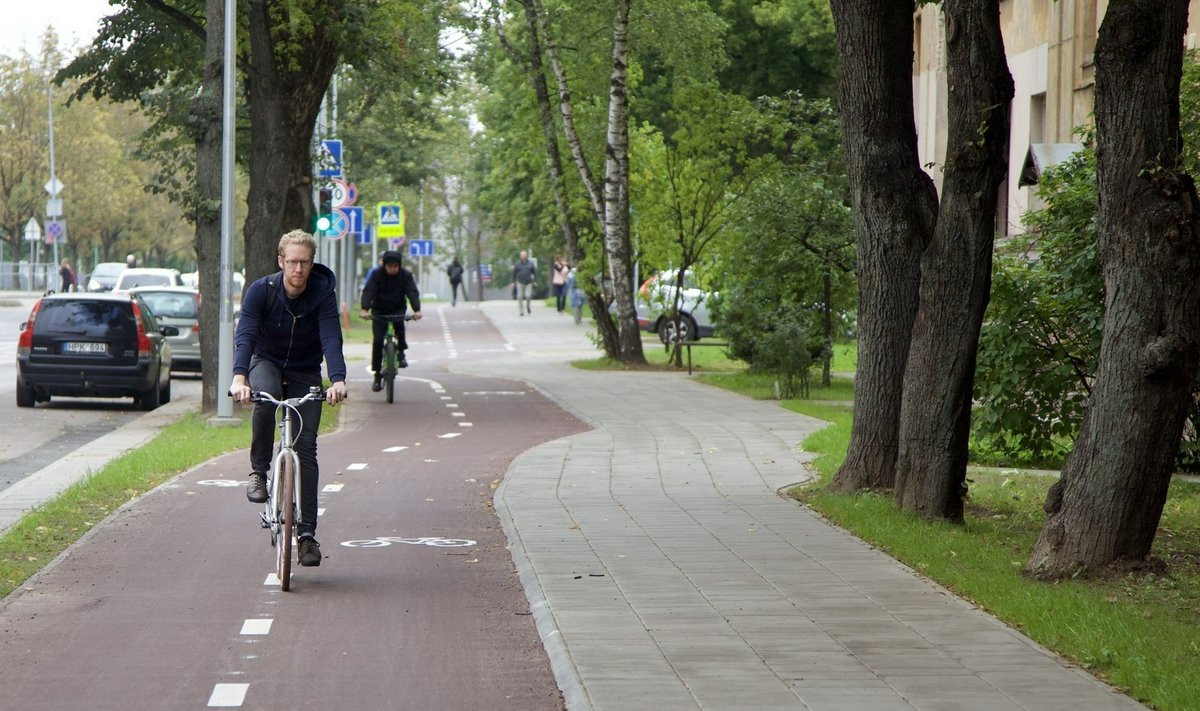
column 324, row 210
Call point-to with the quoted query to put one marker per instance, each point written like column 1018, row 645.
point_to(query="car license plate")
column 80, row 347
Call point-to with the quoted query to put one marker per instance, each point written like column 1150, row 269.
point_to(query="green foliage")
column 1040, row 345
column 779, row 46
column 791, row 231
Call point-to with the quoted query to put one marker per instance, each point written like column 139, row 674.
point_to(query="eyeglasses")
column 301, row 264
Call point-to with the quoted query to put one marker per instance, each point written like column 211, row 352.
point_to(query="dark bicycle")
column 390, row 363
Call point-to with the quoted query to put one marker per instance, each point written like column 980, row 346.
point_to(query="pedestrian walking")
column 524, row 282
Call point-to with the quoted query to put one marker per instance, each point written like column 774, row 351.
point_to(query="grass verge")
column 1139, row 633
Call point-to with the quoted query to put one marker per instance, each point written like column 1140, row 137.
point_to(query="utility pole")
column 225, row 336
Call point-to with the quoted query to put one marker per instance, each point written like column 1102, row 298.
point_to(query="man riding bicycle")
column 384, row 294
column 289, row 321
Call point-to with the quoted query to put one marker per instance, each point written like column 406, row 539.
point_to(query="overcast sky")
column 24, row 21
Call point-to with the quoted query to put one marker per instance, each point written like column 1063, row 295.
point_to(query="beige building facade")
column 1050, row 46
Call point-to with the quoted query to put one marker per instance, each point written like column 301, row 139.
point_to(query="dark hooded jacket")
column 385, row 294
column 291, row 333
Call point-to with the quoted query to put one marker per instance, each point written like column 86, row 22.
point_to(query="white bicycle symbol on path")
column 433, row 541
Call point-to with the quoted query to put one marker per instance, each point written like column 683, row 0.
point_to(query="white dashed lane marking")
column 395, row 449
column 330, row 488
column 228, row 695
column 449, row 435
column 357, row 466
column 257, row 626
column 466, row 424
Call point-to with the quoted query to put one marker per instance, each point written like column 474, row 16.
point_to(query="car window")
column 129, row 281
column 84, row 319
column 168, row 305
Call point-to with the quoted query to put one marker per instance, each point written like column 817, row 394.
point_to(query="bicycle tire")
column 286, row 506
column 390, row 372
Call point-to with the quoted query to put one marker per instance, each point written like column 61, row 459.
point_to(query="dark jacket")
column 291, row 333
column 454, row 271
column 384, row 294
column 524, row 272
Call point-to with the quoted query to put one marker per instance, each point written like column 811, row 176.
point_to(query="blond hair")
column 298, row 237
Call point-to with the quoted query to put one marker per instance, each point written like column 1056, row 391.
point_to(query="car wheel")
column 687, row 329
column 150, row 399
column 25, row 397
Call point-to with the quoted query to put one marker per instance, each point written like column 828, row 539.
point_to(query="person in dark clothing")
column 66, row 276
column 455, row 272
column 289, row 322
column 385, row 295
column 524, row 278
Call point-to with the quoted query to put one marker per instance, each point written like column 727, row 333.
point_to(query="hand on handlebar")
column 336, row 393
column 240, row 389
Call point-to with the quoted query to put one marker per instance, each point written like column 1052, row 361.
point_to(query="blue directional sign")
column 420, row 248
column 354, row 220
column 366, row 235
column 329, row 158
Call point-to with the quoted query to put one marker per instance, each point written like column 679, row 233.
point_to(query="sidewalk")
column 665, row 572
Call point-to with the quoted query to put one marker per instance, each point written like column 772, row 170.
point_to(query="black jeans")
column 265, row 375
column 379, row 333
column 454, row 287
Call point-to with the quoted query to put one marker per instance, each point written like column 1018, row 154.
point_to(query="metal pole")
column 225, row 338
column 53, row 178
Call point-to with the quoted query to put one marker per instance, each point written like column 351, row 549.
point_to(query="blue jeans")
column 265, row 375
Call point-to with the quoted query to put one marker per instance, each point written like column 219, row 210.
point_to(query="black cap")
column 392, row 256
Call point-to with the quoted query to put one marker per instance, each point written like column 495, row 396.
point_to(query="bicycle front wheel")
column 390, row 384
column 285, row 510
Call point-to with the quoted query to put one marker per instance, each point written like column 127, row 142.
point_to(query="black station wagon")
column 93, row 345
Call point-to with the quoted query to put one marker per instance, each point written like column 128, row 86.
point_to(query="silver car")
column 655, row 301
column 177, row 306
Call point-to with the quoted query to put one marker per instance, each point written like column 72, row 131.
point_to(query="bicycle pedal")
column 264, row 521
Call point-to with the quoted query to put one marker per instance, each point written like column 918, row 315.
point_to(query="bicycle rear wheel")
column 285, row 509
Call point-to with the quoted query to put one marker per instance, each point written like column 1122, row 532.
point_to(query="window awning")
column 1041, row 156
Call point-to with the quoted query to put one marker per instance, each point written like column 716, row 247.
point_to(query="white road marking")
column 320, row 512
column 272, row 579
column 447, row 397
column 466, row 424
column 448, row 435
column 357, row 466
column 257, row 626
column 228, row 695
column 395, row 449
column 220, row 482
column 329, row 488
column 458, row 414
column 494, row 392
column 452, row 404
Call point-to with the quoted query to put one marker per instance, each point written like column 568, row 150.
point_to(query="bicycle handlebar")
column 315, row 393
column 390, row 318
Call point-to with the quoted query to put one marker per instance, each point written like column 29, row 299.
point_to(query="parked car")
column 93, row 345
column 655, row 300
column 146, row 276
column 177, row 306
column 104, row 276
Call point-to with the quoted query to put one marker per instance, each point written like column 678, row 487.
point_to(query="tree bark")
column 207, row 119
column 535, row 23
column 285, row 98
column 1104, row 511
column 616, row 194
column 895, row 210
column 956, row 269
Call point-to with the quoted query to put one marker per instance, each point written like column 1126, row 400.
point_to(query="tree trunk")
column 207, row 119
column 895, row 210
column 956, row 269
column 616, row 194
column 285, row 99
column 1105, row 509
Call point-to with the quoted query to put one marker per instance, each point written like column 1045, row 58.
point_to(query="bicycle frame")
column 388, row 368
column 282, row 517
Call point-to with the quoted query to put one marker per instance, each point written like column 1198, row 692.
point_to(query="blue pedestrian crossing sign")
column 329, row 158
column 389, row 216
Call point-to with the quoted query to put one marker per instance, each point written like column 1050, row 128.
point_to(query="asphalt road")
column 168, row 605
